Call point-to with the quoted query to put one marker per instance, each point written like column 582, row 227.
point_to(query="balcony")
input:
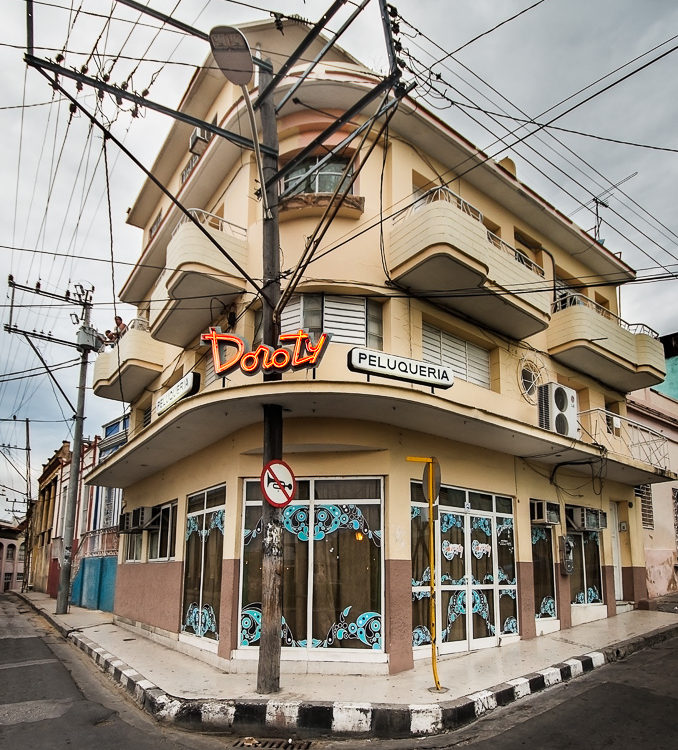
column 197, row 278
column 122, row 372
column 625, row 438
column 441, row 250
column 587, row 337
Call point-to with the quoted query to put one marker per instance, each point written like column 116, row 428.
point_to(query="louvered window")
column 468, row 361
column 643, row 492
column 350, row 320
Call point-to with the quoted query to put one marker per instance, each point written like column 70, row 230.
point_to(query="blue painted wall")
column 670, row 386
column 94, row 585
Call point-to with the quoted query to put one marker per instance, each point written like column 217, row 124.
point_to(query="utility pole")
column 268, row 671
column 86, row 343
column 28, row 537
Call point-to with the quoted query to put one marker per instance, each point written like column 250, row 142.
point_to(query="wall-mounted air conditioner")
column 142, row 517
column 125, row 523
column 589, row 519
column 198, row 141
column 558, row 409
column 542, row 512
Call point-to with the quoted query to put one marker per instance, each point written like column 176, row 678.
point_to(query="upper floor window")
column 468, row 361
column 10, row 551
column 350, row 320
column 323, row 178
column 155, row 225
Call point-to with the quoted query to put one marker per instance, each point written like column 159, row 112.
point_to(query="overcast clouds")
column 54, row 201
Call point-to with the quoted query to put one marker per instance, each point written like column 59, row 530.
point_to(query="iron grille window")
column 675, row 513
column 147, row 416
column 643, row 493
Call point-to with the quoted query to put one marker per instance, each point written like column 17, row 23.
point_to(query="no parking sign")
column 278, row 484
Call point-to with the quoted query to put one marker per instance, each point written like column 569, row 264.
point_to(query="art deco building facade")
column 440, row 262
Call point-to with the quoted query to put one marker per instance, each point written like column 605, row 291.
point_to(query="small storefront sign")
column 187, row 386
column 300, row 353
column 373, row 362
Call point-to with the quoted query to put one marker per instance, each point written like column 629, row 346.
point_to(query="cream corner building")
column 427, row 261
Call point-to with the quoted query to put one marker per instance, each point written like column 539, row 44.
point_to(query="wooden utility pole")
column 268, row 672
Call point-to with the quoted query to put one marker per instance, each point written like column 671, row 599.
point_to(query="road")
column 627, row 704
column 52, row 696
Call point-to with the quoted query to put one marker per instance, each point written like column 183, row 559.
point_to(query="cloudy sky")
column 606, row 69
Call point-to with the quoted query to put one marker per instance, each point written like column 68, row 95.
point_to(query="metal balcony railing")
column 212, row 221
column 97, row 543
column 518, row 255
column 445, row 194
column 625, row 437
column 439, row 194
column 574, row 299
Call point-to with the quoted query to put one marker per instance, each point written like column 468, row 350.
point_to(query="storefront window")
column 586, row 581
column 336, row 534
column 203, row 561
column 542, row 566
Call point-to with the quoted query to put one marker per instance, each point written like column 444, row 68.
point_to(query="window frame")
column 167, row 513
column 309, row 651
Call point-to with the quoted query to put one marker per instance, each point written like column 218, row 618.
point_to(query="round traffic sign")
column 278, row 484
column 426, row 481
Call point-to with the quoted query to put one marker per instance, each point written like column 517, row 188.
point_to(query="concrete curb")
column 273, row 717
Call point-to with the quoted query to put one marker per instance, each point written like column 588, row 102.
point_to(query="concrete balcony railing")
column 589, row 338
column 122, row 371
column 440, row 249
column 624, row 437
column 198, row 276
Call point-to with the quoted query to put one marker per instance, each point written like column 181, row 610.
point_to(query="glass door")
column 202, row 565
column 476, row 592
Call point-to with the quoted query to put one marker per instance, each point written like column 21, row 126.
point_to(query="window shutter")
column 290, row 320
column 468, row 361
column 344, row 318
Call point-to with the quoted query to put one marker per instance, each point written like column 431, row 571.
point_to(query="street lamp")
column 232, row 54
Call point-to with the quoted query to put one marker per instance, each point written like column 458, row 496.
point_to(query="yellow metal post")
column 430, row 461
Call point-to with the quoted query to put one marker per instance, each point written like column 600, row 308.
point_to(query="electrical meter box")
column 566, row 549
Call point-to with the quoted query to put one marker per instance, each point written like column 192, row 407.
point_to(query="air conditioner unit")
column 198, row 141
column 125, row 523
column 558, row 409
column 589, row 519
column 544, row 513
column 141, row 518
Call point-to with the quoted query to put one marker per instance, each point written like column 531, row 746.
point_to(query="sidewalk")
column 178, row 689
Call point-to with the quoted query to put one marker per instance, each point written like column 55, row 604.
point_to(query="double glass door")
column 475, row 586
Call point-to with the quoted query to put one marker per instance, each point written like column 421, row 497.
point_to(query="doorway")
column 475, row 575
column 616, row 552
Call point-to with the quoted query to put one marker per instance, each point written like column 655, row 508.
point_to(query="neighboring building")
column 480, row 277
column 96, row 556
column 12, row 554
column 658, row 502
column 670, row 385
column 44, row 571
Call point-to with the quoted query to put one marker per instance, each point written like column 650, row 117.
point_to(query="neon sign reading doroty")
column 303, row 354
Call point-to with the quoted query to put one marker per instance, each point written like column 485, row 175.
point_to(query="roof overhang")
column 208, row 417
